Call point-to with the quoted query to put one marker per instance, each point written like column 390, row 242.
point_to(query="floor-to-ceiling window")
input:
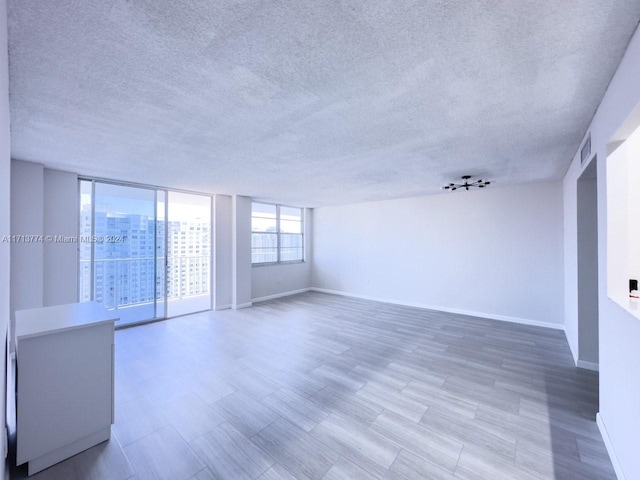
column 188, row 253
column 145, row 252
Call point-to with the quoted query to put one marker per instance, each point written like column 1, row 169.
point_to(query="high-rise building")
column 129, row 258
column 188, row 258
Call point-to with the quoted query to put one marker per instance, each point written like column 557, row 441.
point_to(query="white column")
column 241, row 252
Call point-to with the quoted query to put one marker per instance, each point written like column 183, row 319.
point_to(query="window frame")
column 278, row 234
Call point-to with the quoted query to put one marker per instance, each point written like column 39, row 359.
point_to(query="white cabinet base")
column 39, row 464
column 64, row 382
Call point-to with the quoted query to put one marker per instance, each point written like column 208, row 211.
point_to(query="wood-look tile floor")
column 316, row 386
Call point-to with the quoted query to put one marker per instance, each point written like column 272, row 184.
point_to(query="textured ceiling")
column 310, row 102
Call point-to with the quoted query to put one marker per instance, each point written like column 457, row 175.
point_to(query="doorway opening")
column 587, row 191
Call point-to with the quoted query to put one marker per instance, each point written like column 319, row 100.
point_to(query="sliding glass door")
column 125, row 235
column 118, row 225
column 189, row 253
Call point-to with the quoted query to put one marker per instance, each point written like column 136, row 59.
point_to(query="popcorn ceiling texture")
column 310, row 102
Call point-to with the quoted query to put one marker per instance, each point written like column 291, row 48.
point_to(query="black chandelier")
column 467, row 184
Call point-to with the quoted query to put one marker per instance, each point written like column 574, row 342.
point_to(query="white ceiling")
column 310, row 102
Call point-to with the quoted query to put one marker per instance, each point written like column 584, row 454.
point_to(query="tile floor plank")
column 297, row 409
column 409, row 466
column 296, row 450
column 345, row 470
column 246, row 414
column 277, row 472
column 229, row 454
column 163, row 455
column 357, row 444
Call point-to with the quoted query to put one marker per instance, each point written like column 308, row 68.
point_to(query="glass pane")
column 84, row 245
column 124, row 258
column 291, row 247
column 263, row 217
column 264, row 248
column 291, row 255
column 289, row 226
column 290, row 220
column 160, row 248
column 188, row 253
column 290, row 213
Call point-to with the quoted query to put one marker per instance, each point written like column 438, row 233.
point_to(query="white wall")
column 623, row 217
column 5, row 205
column 271, row 281
column 619, row 416
column 27, row 207
column 60, row 259
column 618, row 234
column 495, row 252
column 634, row 208
column 43, row 202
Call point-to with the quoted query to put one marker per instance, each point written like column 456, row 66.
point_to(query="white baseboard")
column 595, row 367
column 588, row 365
column 574, row 351
column 241, row 305
column 222, row 307
column 280, row 295
column 504, row 318
column 607, row 443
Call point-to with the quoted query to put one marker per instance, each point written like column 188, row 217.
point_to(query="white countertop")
column 45, row 320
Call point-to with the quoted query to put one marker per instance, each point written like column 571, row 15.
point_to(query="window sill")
column 273, row 264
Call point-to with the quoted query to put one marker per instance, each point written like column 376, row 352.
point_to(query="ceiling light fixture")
column 467, row 184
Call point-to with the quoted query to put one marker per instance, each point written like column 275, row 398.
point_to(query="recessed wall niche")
column 623, row 213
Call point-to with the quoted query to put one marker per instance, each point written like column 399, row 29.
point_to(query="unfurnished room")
column 330, row 240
